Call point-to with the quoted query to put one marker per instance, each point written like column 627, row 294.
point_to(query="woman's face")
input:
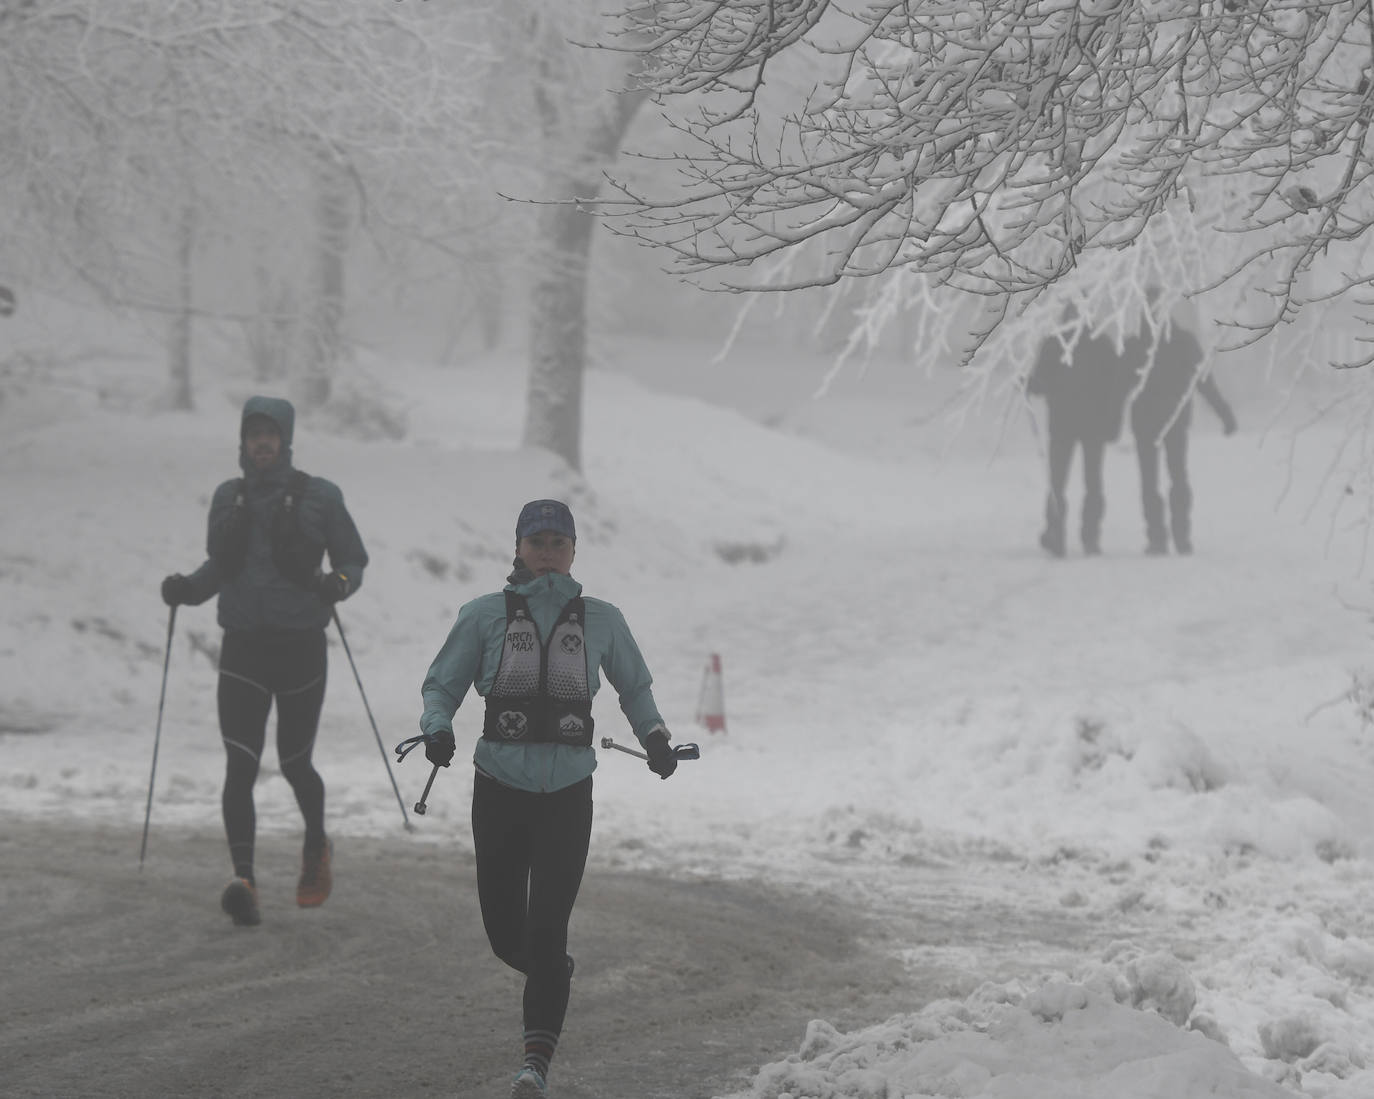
column 547, row 551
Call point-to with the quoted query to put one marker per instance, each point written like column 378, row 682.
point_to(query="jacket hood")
column 277, row 409
column 280, row 412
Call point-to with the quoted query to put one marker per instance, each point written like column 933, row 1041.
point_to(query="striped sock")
column 539, row 1048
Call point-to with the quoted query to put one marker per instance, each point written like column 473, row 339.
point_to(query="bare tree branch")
column 995, row 147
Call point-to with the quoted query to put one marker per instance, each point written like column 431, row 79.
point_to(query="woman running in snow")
column 533, row 652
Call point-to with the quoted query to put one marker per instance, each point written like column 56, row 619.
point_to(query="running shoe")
column 317, row 877
column 240, row 901
column 528, row 1084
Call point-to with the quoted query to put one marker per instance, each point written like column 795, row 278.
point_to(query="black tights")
column 254, row 668
column 531, row 850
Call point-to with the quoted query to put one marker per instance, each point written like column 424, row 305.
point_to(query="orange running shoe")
column 240, row 901
column 317, row 877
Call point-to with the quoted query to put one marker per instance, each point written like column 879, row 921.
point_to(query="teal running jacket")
column 471, row 654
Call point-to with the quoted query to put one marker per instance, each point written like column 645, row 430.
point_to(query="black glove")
column 662, row 760
column 331, row 587
column 177, row 589
column 439, row 747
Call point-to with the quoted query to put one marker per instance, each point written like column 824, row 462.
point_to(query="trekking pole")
column 682, row 751
column 420, row 806
column 157, row 736
column 358, row 679
column 607, row 742
column 404, row 749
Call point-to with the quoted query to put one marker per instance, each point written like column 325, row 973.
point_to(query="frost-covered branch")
column 993, row 146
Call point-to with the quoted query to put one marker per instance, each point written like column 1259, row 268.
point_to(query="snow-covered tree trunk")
column 180, row 328
column 558, row 334
column 270, row 333
column 322, row 340
column 490, row 292
column 558, row 301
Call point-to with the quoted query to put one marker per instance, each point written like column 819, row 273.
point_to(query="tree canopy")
column 117, row 109
column 1219, row 148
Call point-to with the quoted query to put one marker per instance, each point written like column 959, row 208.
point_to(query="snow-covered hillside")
column 1167, row 753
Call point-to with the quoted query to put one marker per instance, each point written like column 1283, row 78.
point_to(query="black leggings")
column 531, row 850
column 254, row 668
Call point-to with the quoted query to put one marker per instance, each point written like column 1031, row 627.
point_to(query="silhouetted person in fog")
column 1085, row 391
column 1162, row 413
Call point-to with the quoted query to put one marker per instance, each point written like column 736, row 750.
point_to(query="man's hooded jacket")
column 247, row 526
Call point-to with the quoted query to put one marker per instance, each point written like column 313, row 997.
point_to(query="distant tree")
column 965, row 157
column 117, row 110
column 179, row 338
column 333, row 204
column 558, row 111
column 295, row 127
column 584, row 102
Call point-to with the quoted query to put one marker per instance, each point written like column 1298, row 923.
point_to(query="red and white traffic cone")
column 711, row 703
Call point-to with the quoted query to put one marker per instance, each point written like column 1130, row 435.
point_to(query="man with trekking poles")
column 268, row 534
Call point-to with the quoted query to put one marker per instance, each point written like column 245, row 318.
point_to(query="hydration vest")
column 540, row 694
column 295, row 554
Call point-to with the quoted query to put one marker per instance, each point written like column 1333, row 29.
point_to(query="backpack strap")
column 296, row 557
column 229, row 539
column 296, row 485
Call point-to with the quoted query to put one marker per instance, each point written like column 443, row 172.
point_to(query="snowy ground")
column 916, row 697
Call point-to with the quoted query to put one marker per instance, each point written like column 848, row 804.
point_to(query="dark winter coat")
column 1165, row 383
column 1085, row 388
column 241, row 566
